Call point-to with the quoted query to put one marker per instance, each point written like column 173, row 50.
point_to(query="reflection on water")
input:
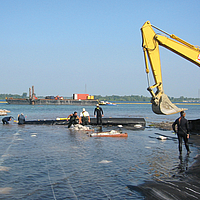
column 183, row 166
column 50, row 162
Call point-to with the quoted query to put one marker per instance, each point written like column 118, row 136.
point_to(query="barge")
column 78, row 99
column 52, row 102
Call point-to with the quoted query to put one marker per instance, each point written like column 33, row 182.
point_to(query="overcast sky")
column 76, row 46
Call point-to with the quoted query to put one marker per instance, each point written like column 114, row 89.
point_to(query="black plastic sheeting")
column 194, row 125
column 138, row 123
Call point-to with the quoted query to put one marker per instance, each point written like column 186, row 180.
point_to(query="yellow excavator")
column 150, row 43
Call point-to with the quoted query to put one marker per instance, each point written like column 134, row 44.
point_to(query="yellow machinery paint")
column 150, row 43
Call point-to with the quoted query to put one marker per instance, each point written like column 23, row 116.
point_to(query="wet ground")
column 51, row 162
column 187, row 185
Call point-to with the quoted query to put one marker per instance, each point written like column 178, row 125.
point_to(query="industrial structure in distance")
column 78, row 99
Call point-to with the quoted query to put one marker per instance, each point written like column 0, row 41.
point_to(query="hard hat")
column 97, row 104
column 83, row 109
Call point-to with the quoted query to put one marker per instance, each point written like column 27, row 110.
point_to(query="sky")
column 64, row 47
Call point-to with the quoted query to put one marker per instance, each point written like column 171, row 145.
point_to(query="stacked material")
column 79, row 127
column 112, row 133
column 3, row 112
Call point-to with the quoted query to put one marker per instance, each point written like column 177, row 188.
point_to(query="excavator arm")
column 151, row 41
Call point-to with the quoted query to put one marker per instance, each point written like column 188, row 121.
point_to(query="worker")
column 73, row 119
column 84, row 117
column 99, row 114
column 6, row 120
column 21, row 119
column 182, row 131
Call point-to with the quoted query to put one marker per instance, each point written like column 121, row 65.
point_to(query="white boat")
column 102, row 103
column 110, row 104
column 107, row 103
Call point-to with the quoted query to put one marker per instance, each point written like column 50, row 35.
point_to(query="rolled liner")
column 132, row 123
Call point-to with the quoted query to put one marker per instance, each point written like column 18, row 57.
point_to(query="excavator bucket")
column 166, row 107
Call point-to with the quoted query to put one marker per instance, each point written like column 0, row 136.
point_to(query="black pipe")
column 137, row 123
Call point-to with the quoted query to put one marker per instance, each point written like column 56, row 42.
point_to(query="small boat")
column 103, row 103
column 111, row 133
column 110, row 104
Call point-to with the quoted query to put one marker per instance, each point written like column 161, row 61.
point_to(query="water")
column 50, row 162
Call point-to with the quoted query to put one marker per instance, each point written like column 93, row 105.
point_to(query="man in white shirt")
column 84, row 117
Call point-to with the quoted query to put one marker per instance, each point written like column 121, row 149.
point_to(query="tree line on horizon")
column 110, row 98
column 140, row 98
column 14, row 96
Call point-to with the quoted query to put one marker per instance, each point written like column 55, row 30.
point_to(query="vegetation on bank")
column 122, row 98
column 14, row 96
column 141, row 98
column 113, row 98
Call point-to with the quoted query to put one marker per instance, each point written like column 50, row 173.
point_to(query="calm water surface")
column 51, row 162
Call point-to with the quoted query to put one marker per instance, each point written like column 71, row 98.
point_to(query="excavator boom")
column 150, row 43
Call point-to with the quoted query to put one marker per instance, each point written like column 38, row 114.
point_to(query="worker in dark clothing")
column 21, row 119
column 6, row 120
column 99, row 114
column 182, row 131
column 73, row 119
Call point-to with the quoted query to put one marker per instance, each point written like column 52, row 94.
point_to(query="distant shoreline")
column 114, row 98
column 186, row 103
column 2, row 101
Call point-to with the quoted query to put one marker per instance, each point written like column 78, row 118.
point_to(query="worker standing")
column 21, row 119
column 73, row 119
column 99, row 114
column 182, row 131
column 84, row 118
